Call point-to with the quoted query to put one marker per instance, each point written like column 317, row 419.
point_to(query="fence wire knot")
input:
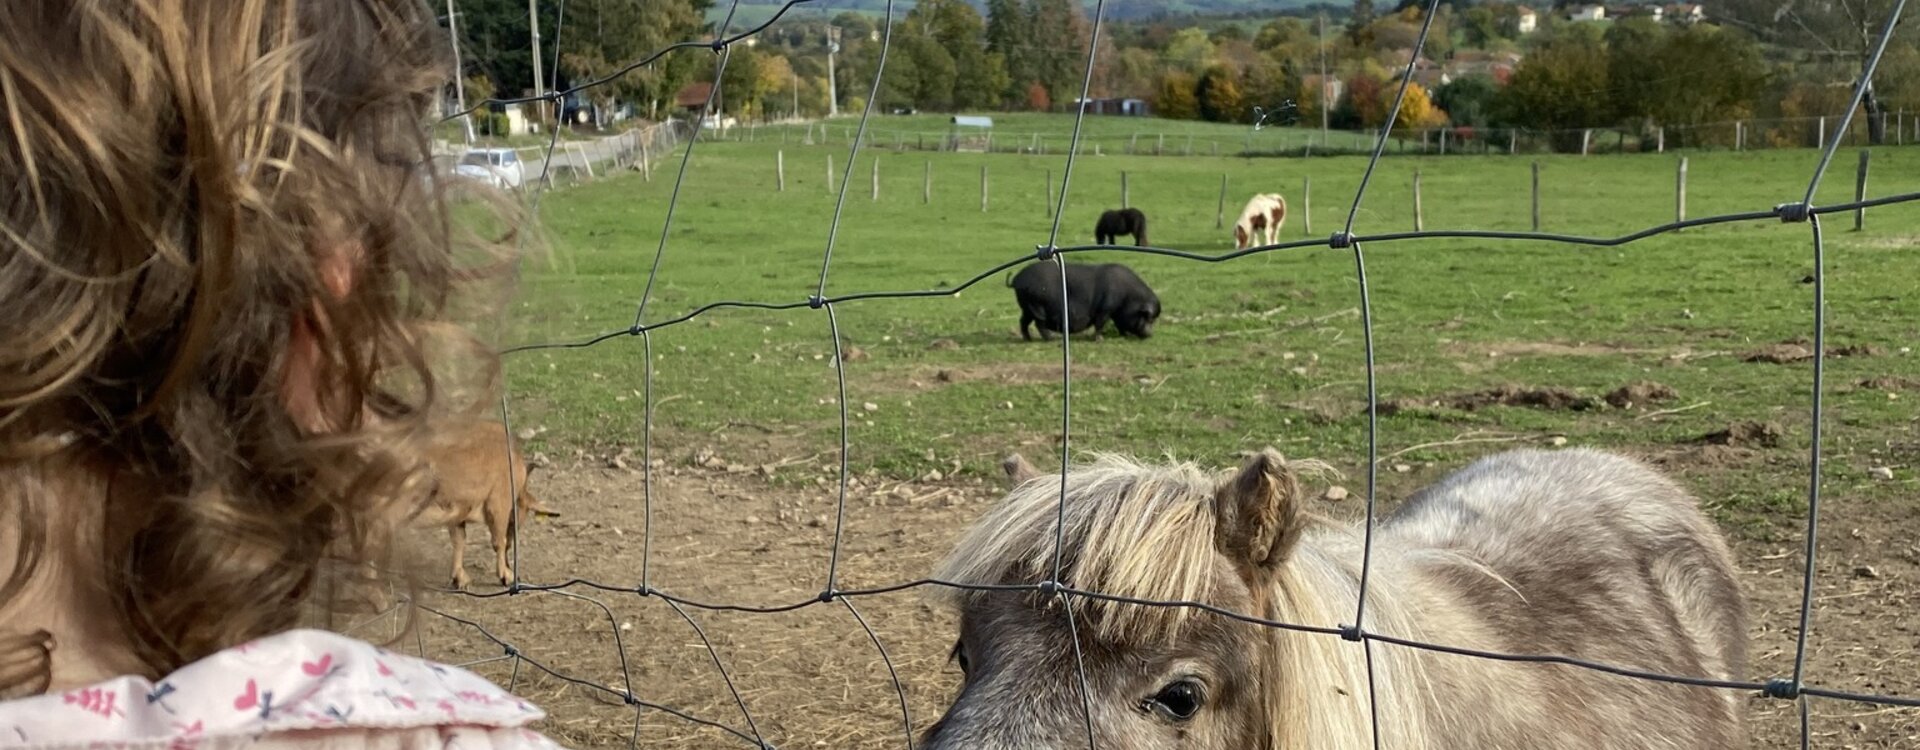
column 1340, row 240
column 643, row 591
column 816, row 301
column 1782, row 689
column 1045, row 252
column 1048, row 587
column 718, row 45
column 1793, row 213
column 1350, row 632
column 509, row 651
column 827, row 596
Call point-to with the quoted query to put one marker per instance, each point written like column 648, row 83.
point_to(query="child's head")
column 220, row 247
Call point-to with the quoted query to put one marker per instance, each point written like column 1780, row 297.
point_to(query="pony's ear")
column 1017, row 468
column 1259, row 511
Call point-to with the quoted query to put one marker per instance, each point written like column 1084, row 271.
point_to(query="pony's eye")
column 1178, row 701
column 960, row 655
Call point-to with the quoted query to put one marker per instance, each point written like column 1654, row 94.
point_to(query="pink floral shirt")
column 300, row 689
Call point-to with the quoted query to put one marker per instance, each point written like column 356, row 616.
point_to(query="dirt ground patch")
column 999, row 373
column 1640, row 394
column 1787, row 352
column 1745, row 435
column 1889, row 383
column 809, row 675
column 1543, row 349
column 1548, row 397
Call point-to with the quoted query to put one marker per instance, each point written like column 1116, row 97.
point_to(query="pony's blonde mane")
column 1142, row 531
column 1131, row 530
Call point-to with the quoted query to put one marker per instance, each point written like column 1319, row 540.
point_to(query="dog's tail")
column 1008, row 277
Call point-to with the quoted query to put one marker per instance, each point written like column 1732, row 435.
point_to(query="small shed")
column 970, row 133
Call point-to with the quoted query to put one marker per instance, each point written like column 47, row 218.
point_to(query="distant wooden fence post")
column 1860, row 192
column 926, row 183
column 1047, row 197
column 983, row 188
column 1220, row 214
column 1133, row 142
column 1536, row 196
column 1189, row 144
column 1680, row 192
column 1419, row 222
column 1660, row 139
column 1124, row 203
column 1160, row 144
column 1306, row 206
column 1586, row 137
column 1823, row 132
column 1739, row 135
column 829, row 170
column 780, row 168
column 876, row 178
column 646, row 162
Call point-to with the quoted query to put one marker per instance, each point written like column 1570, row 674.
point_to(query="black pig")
column 1096, row 294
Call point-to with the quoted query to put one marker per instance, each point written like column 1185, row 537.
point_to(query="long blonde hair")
column 182, row 182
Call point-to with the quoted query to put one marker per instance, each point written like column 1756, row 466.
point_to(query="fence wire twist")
column 1793, row 687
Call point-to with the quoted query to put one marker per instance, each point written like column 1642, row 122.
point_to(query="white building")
column 1588, row 13
column 1526, row 20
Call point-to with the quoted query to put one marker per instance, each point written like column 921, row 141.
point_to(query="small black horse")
column 1112, row 224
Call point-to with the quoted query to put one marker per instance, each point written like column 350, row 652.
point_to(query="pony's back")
column 1586, row 554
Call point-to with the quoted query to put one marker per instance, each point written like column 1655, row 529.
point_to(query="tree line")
column 1482, row 68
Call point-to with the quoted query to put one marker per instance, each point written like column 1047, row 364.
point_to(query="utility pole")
column 1323, row 78
column 533, row 23
column 833, row 93
column 459, row 74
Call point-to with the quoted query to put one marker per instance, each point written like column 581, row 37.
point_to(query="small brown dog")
column 477, row 470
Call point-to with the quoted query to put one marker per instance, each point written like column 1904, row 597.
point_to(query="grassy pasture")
column 1265, row 349
column 1262, row 349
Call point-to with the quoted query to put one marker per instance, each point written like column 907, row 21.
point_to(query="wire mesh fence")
column 1796, row 685
column 574, row 161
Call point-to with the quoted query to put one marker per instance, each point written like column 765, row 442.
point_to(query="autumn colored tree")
column 1217, row 96
column 1175, row 99
column 1037, row 98
column 1363, row 105
column 1417, row 110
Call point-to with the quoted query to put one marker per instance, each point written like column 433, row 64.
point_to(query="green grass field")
column 1260, row 350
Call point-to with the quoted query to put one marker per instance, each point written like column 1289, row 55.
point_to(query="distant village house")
column 1123, row 107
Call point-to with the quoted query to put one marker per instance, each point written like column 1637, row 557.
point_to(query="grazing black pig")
column 1096, row 294
column 1112, row 224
